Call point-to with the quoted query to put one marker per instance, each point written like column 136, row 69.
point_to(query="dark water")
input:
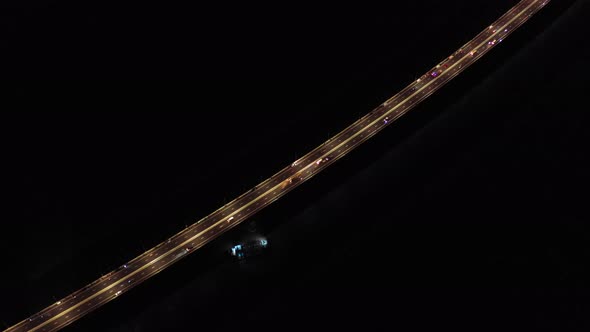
column 473, row 213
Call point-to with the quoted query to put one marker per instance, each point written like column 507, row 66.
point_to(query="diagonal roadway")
column 148, row 264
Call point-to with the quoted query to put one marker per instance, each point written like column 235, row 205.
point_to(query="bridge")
column 131, row 274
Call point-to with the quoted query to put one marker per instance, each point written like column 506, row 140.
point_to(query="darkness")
column 125, row 121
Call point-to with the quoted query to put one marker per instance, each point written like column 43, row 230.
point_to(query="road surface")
column 146, row 265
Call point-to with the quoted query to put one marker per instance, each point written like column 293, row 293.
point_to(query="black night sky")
column 124, row 121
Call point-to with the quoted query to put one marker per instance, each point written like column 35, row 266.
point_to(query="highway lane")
column 146, row 265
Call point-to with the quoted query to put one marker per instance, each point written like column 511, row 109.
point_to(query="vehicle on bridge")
column 322, row 160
